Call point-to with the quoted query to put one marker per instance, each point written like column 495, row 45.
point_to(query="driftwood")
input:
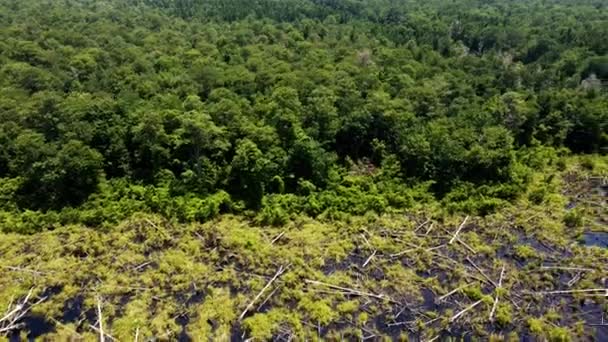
column 278, row 274
column 459, row 229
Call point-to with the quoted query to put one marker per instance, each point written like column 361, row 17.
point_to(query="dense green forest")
column 323, row 107
column 159, row 121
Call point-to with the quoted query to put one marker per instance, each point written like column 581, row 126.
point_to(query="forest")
column 327, row 169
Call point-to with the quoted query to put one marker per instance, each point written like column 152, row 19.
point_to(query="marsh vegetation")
column 303, row 170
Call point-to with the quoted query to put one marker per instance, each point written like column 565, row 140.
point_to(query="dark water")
column 599, row 239
column 593, row 315
column 35, row 326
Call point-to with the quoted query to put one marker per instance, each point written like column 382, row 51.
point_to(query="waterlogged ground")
column 529, row 272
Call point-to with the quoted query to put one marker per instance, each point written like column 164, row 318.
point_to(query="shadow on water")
column 72, row 309
column 429, row 303
column 183, row 320
column 35, row 326
column 593, row 314
column 599, row 239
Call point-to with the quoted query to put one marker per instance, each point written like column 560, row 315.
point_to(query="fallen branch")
column 277, row 238
column 573, row 291
column 440, row 299
column 431, row 321
column 100, row 332
column 497, row 293
column 430, row 228
column 456, row 316
column 396, row 324
column 422, row 225
column 459, row 229
column 10, row 319
column 466, row 245
column 481, row 272
column 267, row 298
column 574, row 280
column 152, row 224
column 581, row 269
column 349, row 290
column 365, row 239
column 404, row 252
column 415, row 249
column 142, row 265
column 100, row 320
column 279, row 272
column 21, row 269
column 369, row 259
column 199, row 236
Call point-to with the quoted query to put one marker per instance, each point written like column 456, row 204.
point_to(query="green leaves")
column 321, row 100
column 57, row 176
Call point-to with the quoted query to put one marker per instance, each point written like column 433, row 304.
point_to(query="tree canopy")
column 262, row 99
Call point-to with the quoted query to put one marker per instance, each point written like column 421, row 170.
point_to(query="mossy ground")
column 368, row 277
